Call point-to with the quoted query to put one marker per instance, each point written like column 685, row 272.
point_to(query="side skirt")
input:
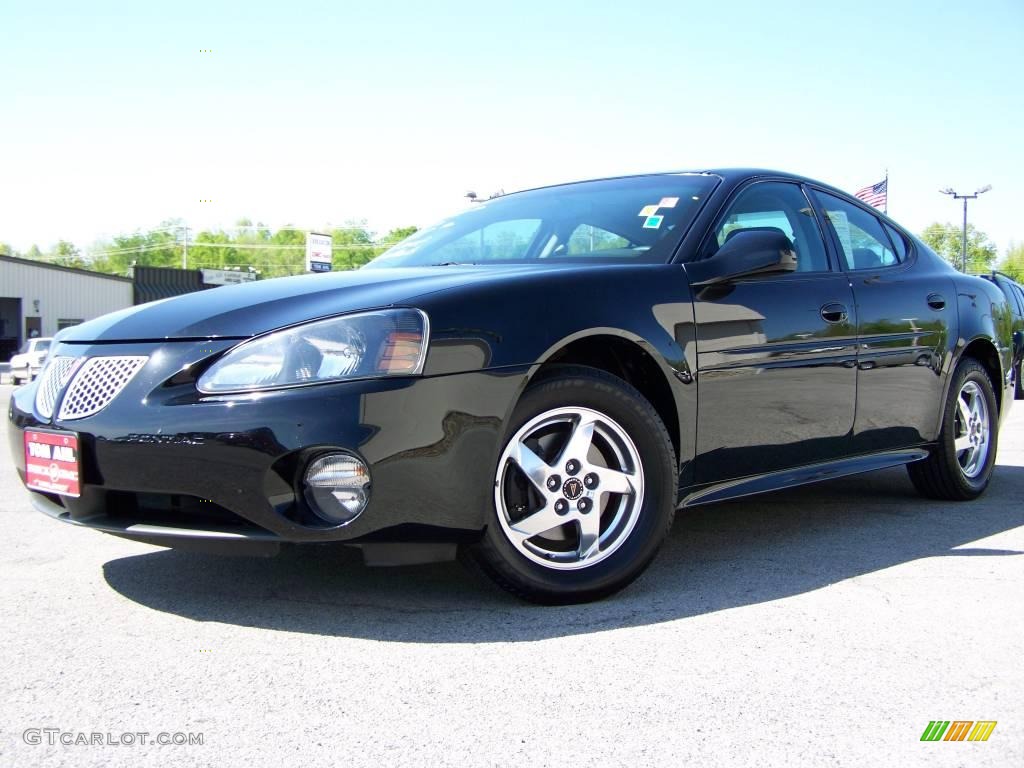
column 788, row 478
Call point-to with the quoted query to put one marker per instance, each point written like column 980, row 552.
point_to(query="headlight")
column 388, row 342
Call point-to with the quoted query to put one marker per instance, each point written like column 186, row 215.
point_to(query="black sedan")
column 537, row 384
column 1014, row 293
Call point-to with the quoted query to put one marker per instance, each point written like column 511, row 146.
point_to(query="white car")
column 26, row 365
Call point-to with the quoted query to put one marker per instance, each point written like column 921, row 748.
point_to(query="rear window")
column 863, row 242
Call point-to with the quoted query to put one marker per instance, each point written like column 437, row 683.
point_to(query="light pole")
column 965, row 198
column 184, row 246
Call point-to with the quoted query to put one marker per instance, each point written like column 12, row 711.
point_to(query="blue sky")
column 111, row 118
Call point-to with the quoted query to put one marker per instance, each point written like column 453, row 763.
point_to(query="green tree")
column 160, row 247
column 1013, row 264
column 352, row 245
column 396, row 236
column 947, row 241
column 67, row 255
column 273, row 253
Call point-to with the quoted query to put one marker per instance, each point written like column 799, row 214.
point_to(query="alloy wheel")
column 569, row 488
column 973, row 428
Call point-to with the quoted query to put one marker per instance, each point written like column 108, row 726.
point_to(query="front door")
column 776, row 354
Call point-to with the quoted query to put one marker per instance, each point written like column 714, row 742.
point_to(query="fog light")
column 337, row 487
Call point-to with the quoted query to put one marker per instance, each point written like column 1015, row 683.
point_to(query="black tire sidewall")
column 617, row 400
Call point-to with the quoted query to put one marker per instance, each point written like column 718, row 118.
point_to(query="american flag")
column 875, row 194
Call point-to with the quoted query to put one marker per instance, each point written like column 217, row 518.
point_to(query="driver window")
column 779, row 206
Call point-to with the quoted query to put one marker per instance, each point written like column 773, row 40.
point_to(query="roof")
column 75, row 270
column 726, row 174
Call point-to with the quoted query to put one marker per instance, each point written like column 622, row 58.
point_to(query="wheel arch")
column 626, row 356
column 983, row 349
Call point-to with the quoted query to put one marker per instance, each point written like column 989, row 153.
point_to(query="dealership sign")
column 226, row 276
column 318, row 252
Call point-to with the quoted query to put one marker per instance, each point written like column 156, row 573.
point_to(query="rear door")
column 906, row 311
column 776, row 354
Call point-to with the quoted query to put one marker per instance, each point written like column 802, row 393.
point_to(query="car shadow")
column 717, row 557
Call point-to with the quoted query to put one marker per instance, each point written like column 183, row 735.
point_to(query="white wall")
column 61, row 293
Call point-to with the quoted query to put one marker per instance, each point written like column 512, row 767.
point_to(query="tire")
column 970, row 411
column 609, row 536
column 1018, row 392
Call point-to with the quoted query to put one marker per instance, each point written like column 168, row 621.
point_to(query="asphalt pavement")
column 822, row 626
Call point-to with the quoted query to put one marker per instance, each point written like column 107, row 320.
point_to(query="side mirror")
column 746, row 252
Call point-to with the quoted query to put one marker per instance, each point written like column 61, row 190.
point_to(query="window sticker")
column 648, row 210
column 668, row 202
column 653, row 222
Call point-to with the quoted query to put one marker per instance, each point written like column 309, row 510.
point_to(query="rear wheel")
column 960, row 467
column 1019, row 391
column 584, row 490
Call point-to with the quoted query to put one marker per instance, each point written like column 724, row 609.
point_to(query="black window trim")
column 837, row 247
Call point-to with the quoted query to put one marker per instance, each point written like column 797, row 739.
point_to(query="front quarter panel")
column 527, row 318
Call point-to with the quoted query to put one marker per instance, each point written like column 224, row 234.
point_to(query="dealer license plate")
column 52, row 462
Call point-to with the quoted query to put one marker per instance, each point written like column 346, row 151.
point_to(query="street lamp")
column 965, row 198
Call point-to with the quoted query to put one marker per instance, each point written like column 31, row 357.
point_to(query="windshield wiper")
column 455, row 264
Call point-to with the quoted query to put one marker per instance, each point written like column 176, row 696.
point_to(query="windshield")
column 34, row 345
column 635, row 219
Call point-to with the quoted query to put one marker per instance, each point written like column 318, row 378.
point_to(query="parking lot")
column 822, row 626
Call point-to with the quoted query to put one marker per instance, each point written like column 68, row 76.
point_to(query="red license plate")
column 52, row 462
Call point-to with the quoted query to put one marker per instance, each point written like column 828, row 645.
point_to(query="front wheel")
column 1018, row 393
column 584, row 490
column 960, row 466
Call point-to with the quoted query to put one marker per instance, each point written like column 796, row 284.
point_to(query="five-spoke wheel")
column 584, row 490
column 973, row 429
column 960, row 465
column 569, row 487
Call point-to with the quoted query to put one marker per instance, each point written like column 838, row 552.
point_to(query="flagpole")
column 886, row 211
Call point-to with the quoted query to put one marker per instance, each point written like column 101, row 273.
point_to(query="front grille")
column 53, row 379
column 97, row 382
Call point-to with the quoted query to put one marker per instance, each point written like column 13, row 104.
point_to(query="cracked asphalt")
column 821, row 626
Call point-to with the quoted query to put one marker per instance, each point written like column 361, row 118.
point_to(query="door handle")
column 834, row 313
column 936, row 301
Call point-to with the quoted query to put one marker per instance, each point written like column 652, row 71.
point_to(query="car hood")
column 249, row 309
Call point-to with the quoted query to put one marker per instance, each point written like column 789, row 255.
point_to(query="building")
column 38, row 299
column 155, row 283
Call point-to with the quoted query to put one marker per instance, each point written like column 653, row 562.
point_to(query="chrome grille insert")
column 97, row 382
column 52, row 381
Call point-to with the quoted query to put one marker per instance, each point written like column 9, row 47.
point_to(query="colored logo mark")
column 958, row 730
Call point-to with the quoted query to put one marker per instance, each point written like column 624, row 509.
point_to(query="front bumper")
column 165, row 464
